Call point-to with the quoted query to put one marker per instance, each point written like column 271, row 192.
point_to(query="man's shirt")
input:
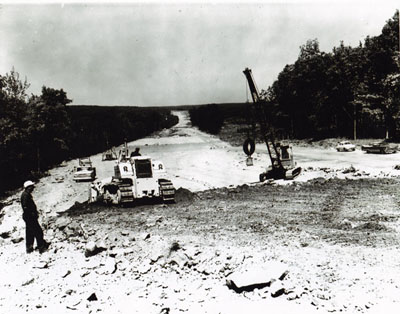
column 29, row 206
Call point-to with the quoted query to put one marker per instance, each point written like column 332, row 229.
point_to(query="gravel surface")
column 334, row 231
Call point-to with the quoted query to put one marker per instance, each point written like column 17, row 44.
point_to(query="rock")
column 180, row 259
column 73, row 229
column 144, row 268
column 175, row 246
column 123, row 265
column 346, row 225
column 146, row 236
column 108, row 267
column 202, row 269
column 70, row 233
column 101, row 245
column 28, row 282
column 61, row 223
column 91, row 232
column 125, row 232
column 277, row 289
column 92, row 297
column 261, row 277
column 293, row 295
column 323, row 297
column 66, row 274
column 41, row 265
column 92, row 249
column 156, row 257
column 112, row 253
column 5, row 234
column 17, row 240
column 85, row 273
column 351, row 169
column 113, row 236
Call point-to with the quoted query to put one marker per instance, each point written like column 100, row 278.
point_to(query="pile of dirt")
column 184, row 195
column 373, row 226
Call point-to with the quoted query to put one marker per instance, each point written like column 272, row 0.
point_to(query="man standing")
column 30, row 216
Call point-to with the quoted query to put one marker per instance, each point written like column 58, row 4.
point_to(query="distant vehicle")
column 345, row 146
column 109, row 155
column 85, row 162
column 85, row 171
column 379, row 148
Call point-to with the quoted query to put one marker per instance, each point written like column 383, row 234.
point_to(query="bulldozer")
column 282, row 165
column 137, row 177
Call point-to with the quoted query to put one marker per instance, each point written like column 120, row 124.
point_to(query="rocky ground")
column 326, row 242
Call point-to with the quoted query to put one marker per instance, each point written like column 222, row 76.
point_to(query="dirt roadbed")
column 338, row 239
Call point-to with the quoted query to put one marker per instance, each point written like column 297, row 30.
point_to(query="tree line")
column 351, row 92
column 40, row 131
column 208, row 118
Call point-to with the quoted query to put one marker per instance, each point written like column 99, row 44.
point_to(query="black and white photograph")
column 216, row 157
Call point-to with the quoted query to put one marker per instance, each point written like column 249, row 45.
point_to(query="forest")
column 351, row 92
column 38, row 132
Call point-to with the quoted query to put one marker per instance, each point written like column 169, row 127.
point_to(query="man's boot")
column 29, row 249
column 44, row 247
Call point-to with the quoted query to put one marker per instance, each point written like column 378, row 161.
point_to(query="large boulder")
column 257, row 277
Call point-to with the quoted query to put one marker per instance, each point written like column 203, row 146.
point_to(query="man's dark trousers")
column 32, row 231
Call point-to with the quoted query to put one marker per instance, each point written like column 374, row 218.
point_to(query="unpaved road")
column 338, row 238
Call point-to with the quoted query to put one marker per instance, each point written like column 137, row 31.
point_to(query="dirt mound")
column 184, row 195
column 372, row 225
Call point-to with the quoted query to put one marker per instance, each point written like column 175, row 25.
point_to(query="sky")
column 180, row 53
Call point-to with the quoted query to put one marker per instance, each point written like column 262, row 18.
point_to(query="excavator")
column 282, row 165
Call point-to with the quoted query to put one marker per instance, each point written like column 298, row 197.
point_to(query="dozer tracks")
column 167, row 190
column 126, row 193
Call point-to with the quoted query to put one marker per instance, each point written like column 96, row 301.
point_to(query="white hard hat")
column 28, row 183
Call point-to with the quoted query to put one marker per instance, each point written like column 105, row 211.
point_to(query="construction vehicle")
column 380, row 148
column 281, row 155
column 137, row 177
column 85, row 171
column 110, row 154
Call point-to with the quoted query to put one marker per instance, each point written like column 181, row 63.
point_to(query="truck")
column 85, row 171
column 379, row 148
column 282, row 165
column 134, row 178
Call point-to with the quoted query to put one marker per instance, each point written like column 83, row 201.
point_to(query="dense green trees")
column 343, row 92
column 38, row 132
column 207, row 118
